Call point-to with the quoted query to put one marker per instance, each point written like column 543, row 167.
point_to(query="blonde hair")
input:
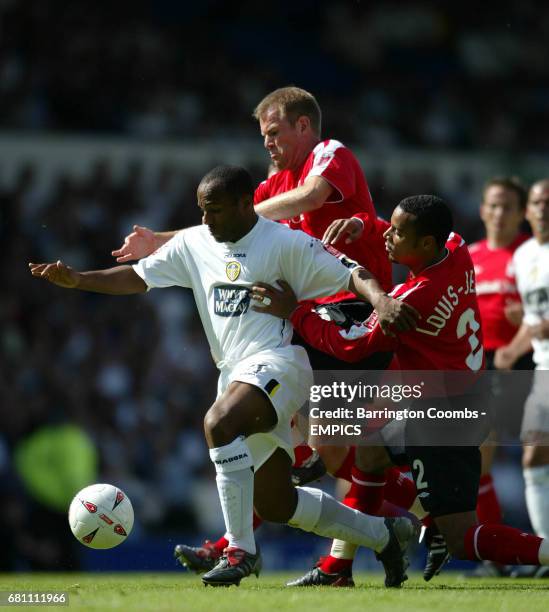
column 293, row 103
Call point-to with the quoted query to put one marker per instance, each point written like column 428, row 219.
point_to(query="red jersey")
column 448, row 336
column 496, row 288
column 350, row 197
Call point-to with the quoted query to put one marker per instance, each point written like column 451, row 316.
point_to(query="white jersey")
column 222, row 273
column 532, row 273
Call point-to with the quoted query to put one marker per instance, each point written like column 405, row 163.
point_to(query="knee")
column 372, row 459
column 219, row 428
column 333, row 457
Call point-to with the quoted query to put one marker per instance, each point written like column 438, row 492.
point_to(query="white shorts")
column 536, row 410
column 285, row 376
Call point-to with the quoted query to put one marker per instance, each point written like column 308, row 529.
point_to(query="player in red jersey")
column 316, row 183
column 502, row 212
column 441, row 287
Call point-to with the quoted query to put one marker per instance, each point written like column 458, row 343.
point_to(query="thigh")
column 446, row 477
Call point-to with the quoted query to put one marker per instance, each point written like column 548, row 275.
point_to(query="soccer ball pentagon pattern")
column 101, row 516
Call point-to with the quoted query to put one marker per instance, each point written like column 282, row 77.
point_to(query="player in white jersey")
column 263, row 378
column 531, row 261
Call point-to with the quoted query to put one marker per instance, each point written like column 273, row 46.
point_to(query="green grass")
column 180, row 591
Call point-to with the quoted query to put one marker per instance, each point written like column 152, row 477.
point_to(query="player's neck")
column 302, row 154
column 501, row 242
column 247, row 228
column 431, row 262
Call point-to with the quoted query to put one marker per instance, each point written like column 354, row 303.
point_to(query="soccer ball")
column 101, row 516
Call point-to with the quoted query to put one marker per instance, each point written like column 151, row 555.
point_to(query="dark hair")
column 433, row 217
column 233, row 181
column 292, row 102
column 511, row 183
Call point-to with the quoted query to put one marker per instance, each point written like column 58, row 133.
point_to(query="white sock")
column 537, row 498
column 543, row 554
column 320, row 513
column 235, row 485
column 343, row 550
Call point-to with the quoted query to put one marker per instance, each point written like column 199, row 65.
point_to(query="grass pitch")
column 183, row 591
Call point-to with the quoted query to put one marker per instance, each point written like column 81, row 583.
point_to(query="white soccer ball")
column 101, row 516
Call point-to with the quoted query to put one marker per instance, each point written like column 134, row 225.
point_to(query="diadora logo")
column 231, row 300
column 231, row 459
column 236, row 255
column 232, row 270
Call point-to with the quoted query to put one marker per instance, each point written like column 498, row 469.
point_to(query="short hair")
column 541, row 184
column 433, row 216
column 293, row 103
column 511, row 183
column 233, row 181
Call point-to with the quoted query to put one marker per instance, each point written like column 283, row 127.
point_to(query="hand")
column 514, row 313
column 352, row 228
column 395, row 315
column 504, row 359
column 57, row 273
column 277, row 302
column 539, row 331
column 140, row 243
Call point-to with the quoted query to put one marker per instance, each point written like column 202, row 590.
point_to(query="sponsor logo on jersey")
column 231, row 300
column 232, row 269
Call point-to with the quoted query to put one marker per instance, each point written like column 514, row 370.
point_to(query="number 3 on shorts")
column 420, row 483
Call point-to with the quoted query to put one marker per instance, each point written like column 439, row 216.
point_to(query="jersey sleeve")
column 262, row 192
column 335, row 164
column 350, row 345
column 166, row 267
column 312, row 269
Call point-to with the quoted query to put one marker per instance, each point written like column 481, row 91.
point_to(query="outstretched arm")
column 141, row 243
column 121, row 280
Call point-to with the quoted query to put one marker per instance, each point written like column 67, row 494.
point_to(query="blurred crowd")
column 134, row 374
column 426, row 74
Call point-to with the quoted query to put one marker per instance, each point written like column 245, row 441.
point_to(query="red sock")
column 222, row 543
column 366, row 492
column 344, row 470
column 488, row 508
column 502, row 544
column 302, row 453
column 332, row 565
column 399, row 490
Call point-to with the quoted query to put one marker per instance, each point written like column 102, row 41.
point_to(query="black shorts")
column 446, row 477
column 346, row 314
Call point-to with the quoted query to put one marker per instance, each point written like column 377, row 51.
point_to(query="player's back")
column 448, row 336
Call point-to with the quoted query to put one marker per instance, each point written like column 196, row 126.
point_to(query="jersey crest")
column 233, row 269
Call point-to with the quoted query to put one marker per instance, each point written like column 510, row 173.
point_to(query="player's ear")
column 303, row 123
column 429, row 243
column 245, row 202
